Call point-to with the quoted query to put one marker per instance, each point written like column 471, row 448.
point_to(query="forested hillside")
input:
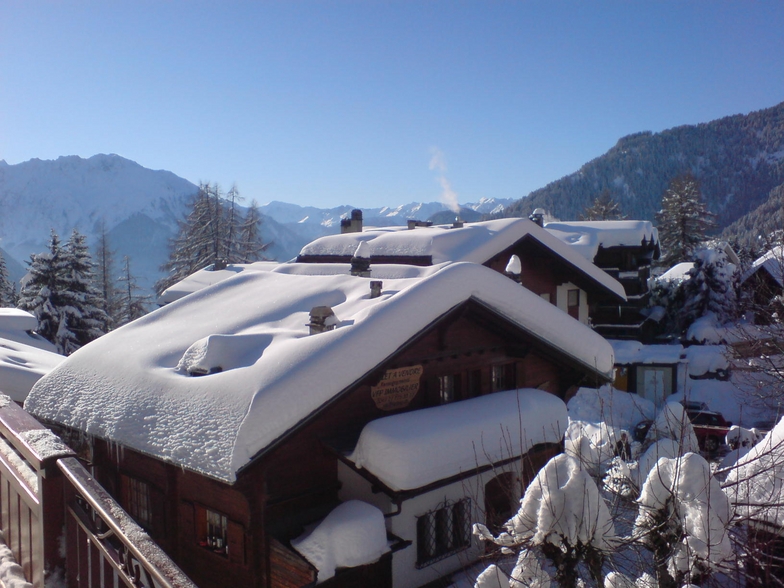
column 751, row 230
column 738, row 160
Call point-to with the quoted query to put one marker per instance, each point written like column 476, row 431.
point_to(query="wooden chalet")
column 541, row 263
column 763, row 282
column 240, row 424
column 625, row 250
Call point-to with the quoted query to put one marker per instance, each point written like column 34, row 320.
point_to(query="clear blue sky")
column 328, row 103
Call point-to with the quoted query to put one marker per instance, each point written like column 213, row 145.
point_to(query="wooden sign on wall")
column 397, row 387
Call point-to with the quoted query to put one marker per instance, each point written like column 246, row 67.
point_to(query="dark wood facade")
column 631, row 266
column 238, row 534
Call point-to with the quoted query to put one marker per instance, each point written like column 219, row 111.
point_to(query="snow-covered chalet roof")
column 678, row 272
column 207, row 277
column 475, row 242
column 413, row 449
column 772, row 262
column 587, row 236
column 634, row 352
column 132, row 386
column 24, row 356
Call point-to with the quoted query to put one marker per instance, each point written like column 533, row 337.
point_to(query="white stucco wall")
column 404, row 525
column 561, row 300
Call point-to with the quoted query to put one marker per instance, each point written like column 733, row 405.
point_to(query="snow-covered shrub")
column 617, row 408
column 563, row 515
column 593, row 445
column 673, row 423
column 683, row 518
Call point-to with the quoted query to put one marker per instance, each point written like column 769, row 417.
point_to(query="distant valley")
column 141, row 207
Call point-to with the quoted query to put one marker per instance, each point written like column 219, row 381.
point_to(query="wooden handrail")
column 122, row 527
column 16, row 426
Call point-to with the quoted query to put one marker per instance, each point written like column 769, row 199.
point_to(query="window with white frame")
column 443, row 532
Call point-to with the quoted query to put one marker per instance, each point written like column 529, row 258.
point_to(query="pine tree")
column 41, row 290
column 712, row 287
column 131, row 305
column 603, row 208
column 82, row 316
column 7, row 287
column 683, row 220
column 104, row 278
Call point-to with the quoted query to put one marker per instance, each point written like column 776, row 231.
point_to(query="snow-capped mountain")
column 140, row 208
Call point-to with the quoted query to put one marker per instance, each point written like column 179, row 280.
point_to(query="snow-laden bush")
column 593, row 445
column 673, row 423
column 626, row 479
column 563, row 515
column 617, row 408
column 527, row 573
column 683, row 518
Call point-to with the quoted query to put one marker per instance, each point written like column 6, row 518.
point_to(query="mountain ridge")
column 738, row 159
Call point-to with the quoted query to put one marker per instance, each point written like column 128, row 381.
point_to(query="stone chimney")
column 375, row 288
column 413, row 223
column 360, row 263
column 352, row 224
column 322, row 319
column 458, row 224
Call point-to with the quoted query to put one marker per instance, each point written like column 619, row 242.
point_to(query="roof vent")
column 360, row 263
column 458, row 224
column 514, row 268
column 353, row 224
column 538, row 216
column 322, row 318
column 375, row 288
column 220, row 264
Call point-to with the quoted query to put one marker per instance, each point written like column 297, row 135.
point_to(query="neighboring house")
column 258, row 425
column 25, row 356
column 764, row 281
column 654, row 372
column 625, row 250
column 543, row 264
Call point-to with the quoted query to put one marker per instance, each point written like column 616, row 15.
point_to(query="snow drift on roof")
column 208, row 276
column 413, row 449
column 353, row 534
column 126, row 387
column 631, row 352
column 587, row 236
column 24, row 356
column 475, row 242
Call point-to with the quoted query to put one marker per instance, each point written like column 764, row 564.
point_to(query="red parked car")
column 710, row 427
